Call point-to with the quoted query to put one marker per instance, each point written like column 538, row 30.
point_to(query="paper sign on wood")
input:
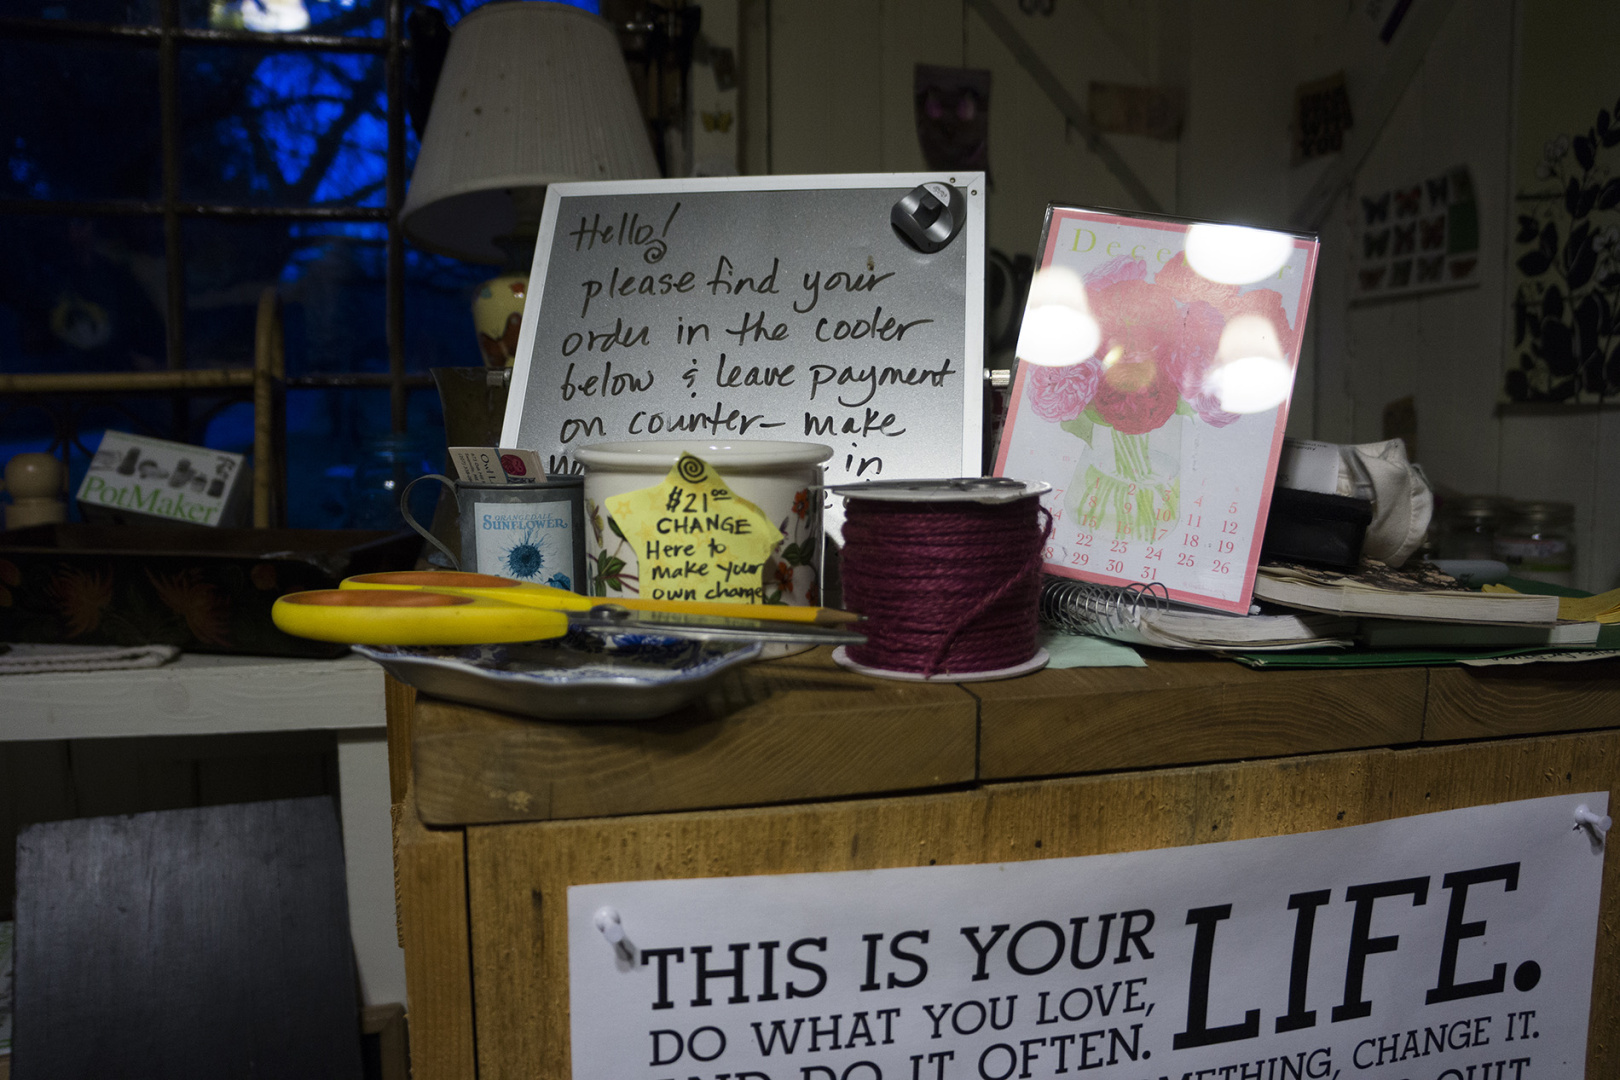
column 1447, row 946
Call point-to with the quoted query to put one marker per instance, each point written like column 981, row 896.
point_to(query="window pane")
column 60, row 135
column 438, row 311
column 329, row 277
column 344, row 467
column 363, row 18
column 268, row 128
column 81, row 294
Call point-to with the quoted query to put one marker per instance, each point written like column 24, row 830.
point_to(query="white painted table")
column 224, row 695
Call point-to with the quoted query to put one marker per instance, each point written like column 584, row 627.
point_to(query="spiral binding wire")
column 1084, row 607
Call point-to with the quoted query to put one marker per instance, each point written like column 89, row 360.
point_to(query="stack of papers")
column 1184, row 629
column 1142, row 617
column 1417, row 592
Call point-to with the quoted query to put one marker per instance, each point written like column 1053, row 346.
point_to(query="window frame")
column 168, row 37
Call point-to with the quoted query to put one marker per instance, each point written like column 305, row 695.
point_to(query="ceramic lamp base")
column 497, row 316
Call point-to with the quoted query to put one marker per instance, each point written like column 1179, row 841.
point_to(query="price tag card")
column 1167, row 350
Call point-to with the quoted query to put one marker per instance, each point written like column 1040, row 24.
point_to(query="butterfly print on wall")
column 1433, row 216
column 1405, row 238
column 1434, row 232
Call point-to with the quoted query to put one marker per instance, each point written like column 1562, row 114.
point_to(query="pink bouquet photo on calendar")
column 1156, row 359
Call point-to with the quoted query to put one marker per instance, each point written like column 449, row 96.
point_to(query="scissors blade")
column 712, row 627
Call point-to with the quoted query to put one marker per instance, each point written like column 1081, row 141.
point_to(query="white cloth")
column 1402, row 500
column 1379, row 472
column 42, row 659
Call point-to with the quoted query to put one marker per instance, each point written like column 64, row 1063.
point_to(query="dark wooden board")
column 209, row 943
column 1187, row 710
column 1528, row 699
column 785, row 730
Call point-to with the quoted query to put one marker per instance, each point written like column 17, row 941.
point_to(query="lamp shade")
column 532, row 93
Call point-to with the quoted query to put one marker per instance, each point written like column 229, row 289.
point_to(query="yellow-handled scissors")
column 514, row 591
column 366, row 617
column 413, row 614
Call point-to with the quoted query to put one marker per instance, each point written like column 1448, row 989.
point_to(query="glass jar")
column 386, row 464
column 1535, row 542
column 1468, row 527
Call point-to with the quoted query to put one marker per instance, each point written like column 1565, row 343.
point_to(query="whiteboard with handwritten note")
column 765, row 307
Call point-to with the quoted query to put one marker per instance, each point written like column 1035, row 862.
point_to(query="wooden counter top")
column 799, row 766
column 784, row 730
column 1188, row 710
column 802, row 729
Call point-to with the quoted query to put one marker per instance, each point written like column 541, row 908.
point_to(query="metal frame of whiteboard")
column 969, row 462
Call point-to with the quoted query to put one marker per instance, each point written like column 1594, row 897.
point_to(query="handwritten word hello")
column 631, row 231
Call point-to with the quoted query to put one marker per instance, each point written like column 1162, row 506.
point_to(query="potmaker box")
column 137, row 479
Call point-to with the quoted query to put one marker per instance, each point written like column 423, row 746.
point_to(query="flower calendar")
column 1161, row 440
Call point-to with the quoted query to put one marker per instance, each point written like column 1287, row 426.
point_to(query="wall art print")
column 1417, row 238
column 1152, row 481
column 1566, row 310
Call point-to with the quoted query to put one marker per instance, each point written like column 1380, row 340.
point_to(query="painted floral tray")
column 205, row 590
column 583, row 676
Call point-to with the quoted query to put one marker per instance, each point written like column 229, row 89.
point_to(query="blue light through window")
column 260, row 126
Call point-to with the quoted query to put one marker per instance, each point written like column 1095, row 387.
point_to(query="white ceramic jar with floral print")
column 777, row 477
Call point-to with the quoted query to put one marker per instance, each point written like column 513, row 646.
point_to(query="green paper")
column 1358, row 658
column 1083, row 650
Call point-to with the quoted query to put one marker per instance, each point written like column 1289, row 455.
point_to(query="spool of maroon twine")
column 947, row 588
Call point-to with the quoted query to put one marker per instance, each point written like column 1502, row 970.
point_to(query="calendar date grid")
column 1201, row 550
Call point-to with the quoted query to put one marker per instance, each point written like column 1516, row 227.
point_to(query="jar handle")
column 405, row 509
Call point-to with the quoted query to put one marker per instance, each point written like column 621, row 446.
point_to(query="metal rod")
column 173, row 252
column 394, row 282
column 1373, row 112
column 128, row 382
column 1058, row 94
column 138, row 382
column 156, row 35
column 123, row 207
column 359, row 381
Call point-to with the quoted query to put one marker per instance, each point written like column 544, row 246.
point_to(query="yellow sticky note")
column 694, row 538
column 1603, row 608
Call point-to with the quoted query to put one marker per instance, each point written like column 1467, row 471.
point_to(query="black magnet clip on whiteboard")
column 929, row 216
column 607, row 921
column 1596, row 824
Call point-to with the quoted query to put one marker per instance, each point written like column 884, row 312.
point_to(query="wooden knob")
column 34, row 476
